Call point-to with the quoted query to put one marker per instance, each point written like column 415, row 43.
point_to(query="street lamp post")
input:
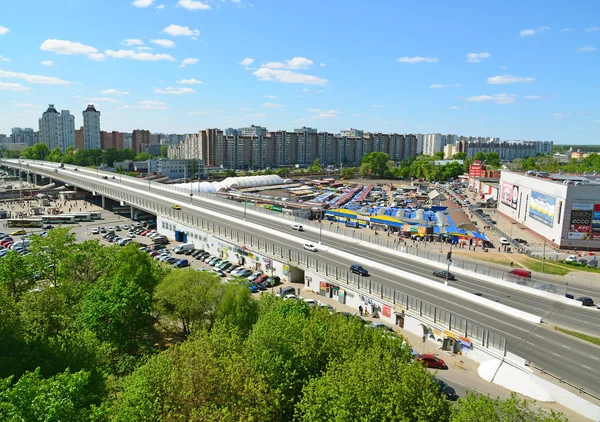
column 543, row 256
column 97, row 167
column 245, row 204
column 320, row 224
column 449, row 259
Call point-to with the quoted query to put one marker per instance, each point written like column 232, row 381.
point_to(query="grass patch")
column 591, row 339
column 549, row 267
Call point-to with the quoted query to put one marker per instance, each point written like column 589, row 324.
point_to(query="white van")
column 183, row 247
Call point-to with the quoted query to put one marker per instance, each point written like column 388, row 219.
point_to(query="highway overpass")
column 564, row 356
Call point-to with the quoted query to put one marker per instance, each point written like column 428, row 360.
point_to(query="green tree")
column 439, row 155
column 50, row 254
column 375, row 163
column 480, row 408
column 459, row 156
column 207, row 378
column 164, row 151
column 237, row 307
column 315, row 167
column 347, row 172
column 117, row 311
column 55, row 155
column 36, row 152
column 479, row 156
column 189, row 296
column 15, row 275
column 11, row 337
column 143, row 156
column 528, row 164
column 282, row 172
column 373, row 385
column 59, row 398
column 492, row 159
column 230, row 173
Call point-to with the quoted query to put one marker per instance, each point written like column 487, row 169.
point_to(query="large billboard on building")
column 585, row 222
column 509, row 195
column 542, row 207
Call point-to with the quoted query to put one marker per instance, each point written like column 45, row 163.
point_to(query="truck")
column 183, row 247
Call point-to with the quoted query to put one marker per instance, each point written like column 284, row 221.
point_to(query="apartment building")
column 433, row 143
column 57, row 130
column 24, row 136
column 139, row 137
column 91, row 128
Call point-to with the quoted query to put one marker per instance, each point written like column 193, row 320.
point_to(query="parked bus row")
column 40, row 220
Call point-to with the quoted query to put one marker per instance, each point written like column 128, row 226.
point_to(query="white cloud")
column 417, row 59
column 174, row 91
column 592, row 29
column 6, row 86
column 143, row 48
column 436, row 86
column 193, row 5
column 132, row 41
column 3, row 30
column 135, row 55
column 104, row 100
column 287, row 76
column 559, row 116
column 164, row 43
column 498, row 98
column 458, row 108
column 587, row 49
column 245, row 108
column 271, row 105
column 33, row 79
column 178, row 30
column 96, row 56
column 192, row 81
column 5, row 59
column 271, row 97
column 530, row 32
column 188, row 61
column 295, row 63
column 154, row 105
column 247, row 61
column 321, row 114
column 532, row 97
column 322, row 64
column 527, row 32
column 477, row 57
column 112, row 91
column 509, row 79
column 377, row 106
column 71, row 48
column 142, row 3
column 567, row 30
column 160, row 6
column 48, row 63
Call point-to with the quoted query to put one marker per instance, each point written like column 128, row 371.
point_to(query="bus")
column 58, row 219
column 24, row 222
column 96, row 215
column 82, row 216
column 121, row 210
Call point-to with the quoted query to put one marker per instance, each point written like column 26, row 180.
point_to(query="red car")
column 431, row 361
column 145, row 232
column 261, row 278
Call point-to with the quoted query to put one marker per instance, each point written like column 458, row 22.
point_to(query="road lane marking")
column 594, row 357
column 565, row 346
column 528, row 342
column 586, row 367
column 556, row 354
column 537, row 335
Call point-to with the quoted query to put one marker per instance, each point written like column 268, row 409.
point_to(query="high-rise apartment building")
column 57, row 130
column 308, row 142
column 79, row 138
column 351, row 133
column 139, row 137
column 253, row 131
column 24, row 136
column 91, row 128
column 420, row 137
column 433, row 142
column 112, row 139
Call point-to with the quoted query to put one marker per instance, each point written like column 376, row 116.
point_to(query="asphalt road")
column 565, row 356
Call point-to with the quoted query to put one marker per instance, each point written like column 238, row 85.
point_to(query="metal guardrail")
column 564, row 381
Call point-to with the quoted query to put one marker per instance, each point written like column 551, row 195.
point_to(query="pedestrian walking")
column 511, row 263
column 360, row 310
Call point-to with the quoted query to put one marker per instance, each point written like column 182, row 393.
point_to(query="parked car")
column 254, row 276
column 297, row 227
column 443, row 274
column 172, row 260
column 446, row 390
column 182, row 263
column 95, row 230
column 586, row 301
column 521, row 241
column 244, row 273
column 253, row 287
column 272, row 281
column 504, row 241
column 221, row 273
column 432, row 361
column 520, row 272
column 357, row 269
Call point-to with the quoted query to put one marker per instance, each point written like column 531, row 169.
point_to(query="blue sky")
column 512, row 69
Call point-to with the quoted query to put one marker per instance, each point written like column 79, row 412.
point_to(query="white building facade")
column 433, row 142
column 91, row 128
column 57, row 130
column 566, row 212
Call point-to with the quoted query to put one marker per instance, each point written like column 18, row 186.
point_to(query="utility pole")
column 543, row 256
column 449, row 258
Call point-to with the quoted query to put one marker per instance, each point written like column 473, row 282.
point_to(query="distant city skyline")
column 171, row 66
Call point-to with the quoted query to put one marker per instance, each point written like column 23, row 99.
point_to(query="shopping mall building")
column 564, row 209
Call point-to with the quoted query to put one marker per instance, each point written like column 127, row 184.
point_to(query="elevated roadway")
column 564, row 356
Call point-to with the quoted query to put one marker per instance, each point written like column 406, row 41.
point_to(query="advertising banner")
column 509, row 195
column 541, row 208
column 584, row 222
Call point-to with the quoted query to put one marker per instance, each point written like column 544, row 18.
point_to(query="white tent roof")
column 250, row 181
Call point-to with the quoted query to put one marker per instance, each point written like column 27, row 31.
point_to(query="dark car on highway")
column 442, row 274
column 586, row 301
column 357, row 269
